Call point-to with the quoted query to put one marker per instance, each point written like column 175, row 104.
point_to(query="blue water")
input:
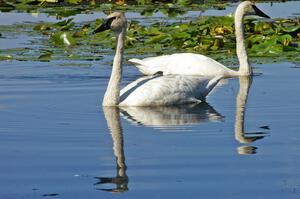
column 56, row 140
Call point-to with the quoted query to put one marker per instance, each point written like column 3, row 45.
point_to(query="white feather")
column 181, row 63
column 167, row 90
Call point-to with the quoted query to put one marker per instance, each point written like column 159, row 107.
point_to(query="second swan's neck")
column 112, row 94
column 245, row 69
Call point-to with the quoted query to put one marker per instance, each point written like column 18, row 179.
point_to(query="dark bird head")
column 116, row 21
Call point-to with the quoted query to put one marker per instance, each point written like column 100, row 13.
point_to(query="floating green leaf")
column 157, row 38
column 42, row 27
column 64, row 22
column 46, row 56
column 5, row 57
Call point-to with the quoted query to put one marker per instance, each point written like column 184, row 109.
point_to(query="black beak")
column 105, row 26
column 260, row 13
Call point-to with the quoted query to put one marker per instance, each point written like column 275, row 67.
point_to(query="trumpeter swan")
column 154, row 90
column 196, row 64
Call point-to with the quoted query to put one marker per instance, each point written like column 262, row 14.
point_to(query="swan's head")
column 249, row 8
column 116, row 21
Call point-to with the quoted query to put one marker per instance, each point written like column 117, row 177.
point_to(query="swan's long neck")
column 112, row 94
column 245, row 69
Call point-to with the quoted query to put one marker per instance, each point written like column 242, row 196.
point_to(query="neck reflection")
column 112, row 116
column 240, row 134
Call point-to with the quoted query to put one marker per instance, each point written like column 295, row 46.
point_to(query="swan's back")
column 167, row 90
column 182, row 63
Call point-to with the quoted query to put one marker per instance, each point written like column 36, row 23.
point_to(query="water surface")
column 55, row 138
column 57, row 141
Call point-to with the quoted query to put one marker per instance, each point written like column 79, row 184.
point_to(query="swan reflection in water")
column 240, row 134
column 152, row 116
column 112, row 116
column 171, row 117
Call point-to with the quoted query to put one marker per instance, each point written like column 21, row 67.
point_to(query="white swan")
column 196, row 64
column 152, row 90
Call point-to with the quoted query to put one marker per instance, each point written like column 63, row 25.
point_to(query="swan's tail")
column 139, row 64
column 135, row 61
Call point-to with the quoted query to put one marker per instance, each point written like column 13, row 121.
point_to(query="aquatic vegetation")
column 214, row 35
column 46, row 56
column 5, row 57
column 277, row 39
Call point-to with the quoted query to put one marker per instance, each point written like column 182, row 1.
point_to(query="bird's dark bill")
column 260, row 13
column 105, row 26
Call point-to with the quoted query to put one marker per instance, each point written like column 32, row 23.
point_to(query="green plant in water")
column 5, row 57
column 279, row 39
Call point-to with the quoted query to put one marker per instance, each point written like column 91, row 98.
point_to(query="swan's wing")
column 167, row 90
column 135, row 83
column 181, row 63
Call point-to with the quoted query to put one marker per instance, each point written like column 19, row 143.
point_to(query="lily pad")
column 42, row 27
column 47, row 56
column 265, row 49
column 5, row 57
column 157, row 38
column 64, row 22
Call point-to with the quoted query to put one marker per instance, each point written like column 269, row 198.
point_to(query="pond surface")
column 55, row 138
column 58, row 142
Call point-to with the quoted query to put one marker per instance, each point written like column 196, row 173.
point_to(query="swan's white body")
column 167, row 90
column 195, row 64
column 182, row 63
column 152, row 90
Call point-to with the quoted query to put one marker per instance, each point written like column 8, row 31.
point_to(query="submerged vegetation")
column 273, row 40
